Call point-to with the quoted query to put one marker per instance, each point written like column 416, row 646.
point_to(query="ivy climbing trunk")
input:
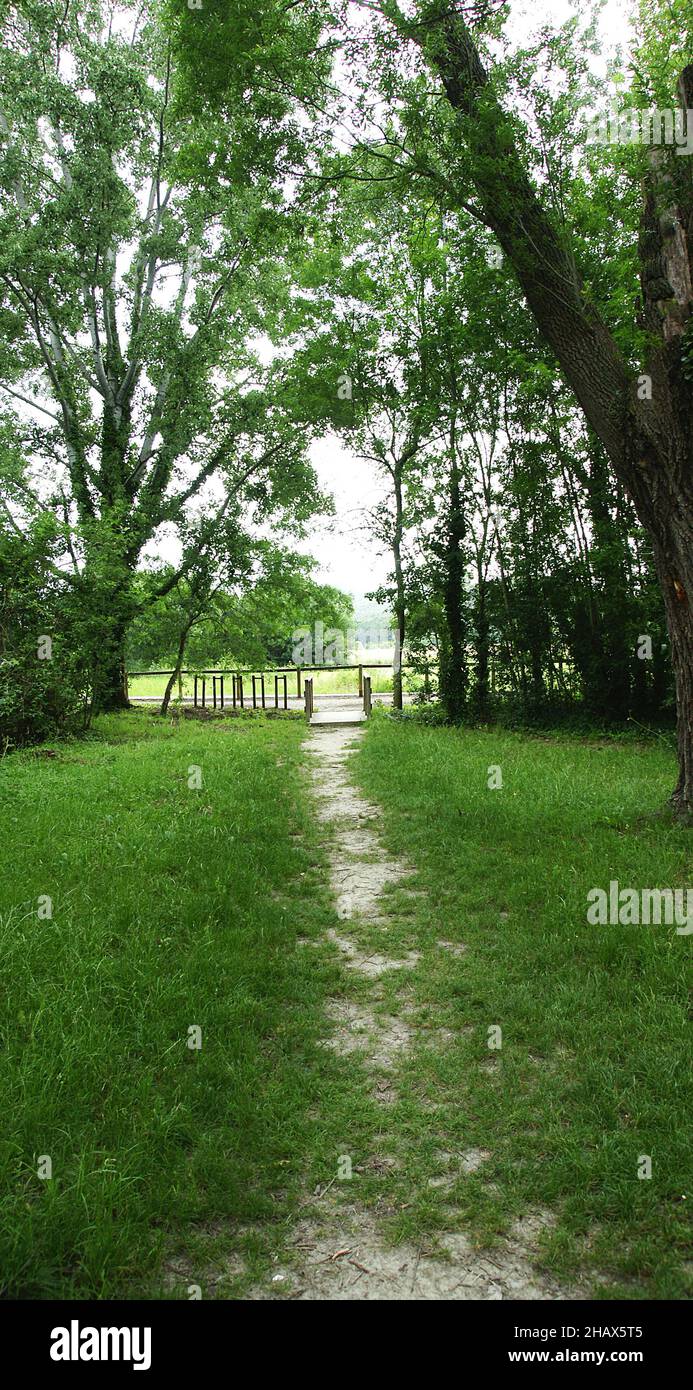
column 107, row 608
column 109, row 673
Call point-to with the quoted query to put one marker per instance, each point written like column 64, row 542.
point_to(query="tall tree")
column 141, row 257
column 647, row 434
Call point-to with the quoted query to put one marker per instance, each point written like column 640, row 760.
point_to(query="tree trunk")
column 453, row 661
column 648, row 438
column 481, row 691
column 107, row 609
column 167, row 693
column 677, row 586
column 110, row 682
column 400, row 599
column 175, row 674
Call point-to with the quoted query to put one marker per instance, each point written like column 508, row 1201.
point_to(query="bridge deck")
column 339, row 716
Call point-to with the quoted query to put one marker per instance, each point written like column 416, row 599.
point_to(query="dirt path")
column 338, row 1249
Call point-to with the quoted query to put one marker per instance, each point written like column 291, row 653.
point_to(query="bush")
column 44, row 686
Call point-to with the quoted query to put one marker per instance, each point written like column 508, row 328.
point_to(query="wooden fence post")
column 367, row 701
column 308, row 683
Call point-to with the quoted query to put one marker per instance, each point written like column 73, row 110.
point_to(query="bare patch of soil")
column 381, row 1037
column 369, row 963
column 339, row 1254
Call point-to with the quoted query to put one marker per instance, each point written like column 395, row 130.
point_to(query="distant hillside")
column 373, row 623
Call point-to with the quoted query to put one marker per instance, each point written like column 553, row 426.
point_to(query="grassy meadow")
column 593, row 1070
column 177, row 907
column 172, row 908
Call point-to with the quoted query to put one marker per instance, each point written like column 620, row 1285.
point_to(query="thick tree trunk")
column 674, row 564
column 110, row 682
column 107, row 610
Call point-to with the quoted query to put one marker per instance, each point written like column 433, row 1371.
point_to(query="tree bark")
column 676, row 580
column 453, row 661
column 481, row 689
column 400, row 598
column 110, row 682
column 175, row 674
column 107, row 608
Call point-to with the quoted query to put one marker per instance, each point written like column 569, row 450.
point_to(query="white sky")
column 346, row 557
column 346, row 554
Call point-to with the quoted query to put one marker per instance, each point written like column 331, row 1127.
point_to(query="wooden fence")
column 217, row 675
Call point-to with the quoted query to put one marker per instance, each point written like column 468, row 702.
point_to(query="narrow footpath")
column 338, row 1249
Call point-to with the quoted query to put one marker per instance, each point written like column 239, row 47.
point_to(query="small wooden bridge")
column 269, row 689
column 347, row 709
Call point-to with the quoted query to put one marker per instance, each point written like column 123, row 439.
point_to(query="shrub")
column 44, row 686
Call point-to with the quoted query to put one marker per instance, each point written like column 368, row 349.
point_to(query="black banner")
column 173, row 1339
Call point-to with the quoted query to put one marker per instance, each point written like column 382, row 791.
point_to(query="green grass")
column 171, row 908
column 346, row 682
column 594, row 1067
column 174, row 907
